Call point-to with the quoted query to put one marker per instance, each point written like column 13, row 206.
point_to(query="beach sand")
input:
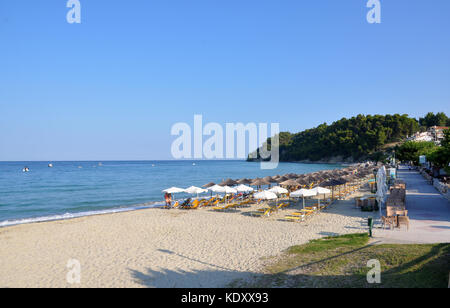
column 160, row 248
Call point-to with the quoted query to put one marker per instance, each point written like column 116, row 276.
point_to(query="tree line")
column 358, row 138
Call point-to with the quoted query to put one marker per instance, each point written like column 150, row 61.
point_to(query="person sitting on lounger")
column 186, row 203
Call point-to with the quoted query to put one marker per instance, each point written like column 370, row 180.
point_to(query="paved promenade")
column 428, row 211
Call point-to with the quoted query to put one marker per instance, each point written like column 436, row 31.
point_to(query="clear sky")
column 112, row 86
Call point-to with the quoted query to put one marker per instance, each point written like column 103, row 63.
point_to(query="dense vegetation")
column 431, row 119
column 439, row 156
column 411, row 150
column 355, row 138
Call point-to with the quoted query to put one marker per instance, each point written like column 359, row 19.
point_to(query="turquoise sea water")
column 73, row 189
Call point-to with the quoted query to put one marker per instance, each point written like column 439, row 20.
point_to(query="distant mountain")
column 349, row 140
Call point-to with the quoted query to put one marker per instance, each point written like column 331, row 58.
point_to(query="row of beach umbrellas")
column 326, row 178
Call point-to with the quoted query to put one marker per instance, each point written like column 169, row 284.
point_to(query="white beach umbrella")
column 303, row 193
column 195, row 190
column 173, row 190
column 244, row 188
column 229, row 190
column 265, row 195
column 217, row 189
column 278, row 190
column 321, row 190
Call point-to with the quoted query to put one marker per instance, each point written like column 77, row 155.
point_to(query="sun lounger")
column 266, row 212
column 225, row 207
column 389, row 221
column 185, row 203
column 192, row 205
column 295, row 217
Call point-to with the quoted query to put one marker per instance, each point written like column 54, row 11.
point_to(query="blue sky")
column 112, row 86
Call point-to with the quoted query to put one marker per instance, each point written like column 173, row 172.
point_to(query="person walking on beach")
column 168, row 199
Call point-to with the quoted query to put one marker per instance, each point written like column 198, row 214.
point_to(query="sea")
column 72, row 189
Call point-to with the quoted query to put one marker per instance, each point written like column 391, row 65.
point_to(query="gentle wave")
column 66, row 216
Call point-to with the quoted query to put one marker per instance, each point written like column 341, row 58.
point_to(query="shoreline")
column 75, row 215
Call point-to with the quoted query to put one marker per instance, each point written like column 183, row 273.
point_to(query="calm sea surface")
column 74, row 189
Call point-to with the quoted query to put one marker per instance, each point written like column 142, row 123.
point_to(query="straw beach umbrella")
column 228, row 182
column 281, row 179
column 331, row 183
column 210, row 184
column 301, row 181
column 259, row 182
column 244, row 181
column 290, row 182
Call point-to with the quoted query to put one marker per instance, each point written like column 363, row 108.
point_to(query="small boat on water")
column 26, row 169
column 50, row 165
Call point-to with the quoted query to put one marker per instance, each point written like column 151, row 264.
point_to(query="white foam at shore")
column 8, row 223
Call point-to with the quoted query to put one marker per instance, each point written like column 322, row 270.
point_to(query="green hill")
column 351, row 139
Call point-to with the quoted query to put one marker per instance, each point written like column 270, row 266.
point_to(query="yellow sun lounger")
column 295, row 217
column 207, row 202
column 266, row 212
column 225, row 207
column 194, row 205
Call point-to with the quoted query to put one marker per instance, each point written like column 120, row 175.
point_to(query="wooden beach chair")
column 403, row 220
column 387, row 221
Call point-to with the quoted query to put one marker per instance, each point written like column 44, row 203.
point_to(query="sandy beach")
column 160, row 248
